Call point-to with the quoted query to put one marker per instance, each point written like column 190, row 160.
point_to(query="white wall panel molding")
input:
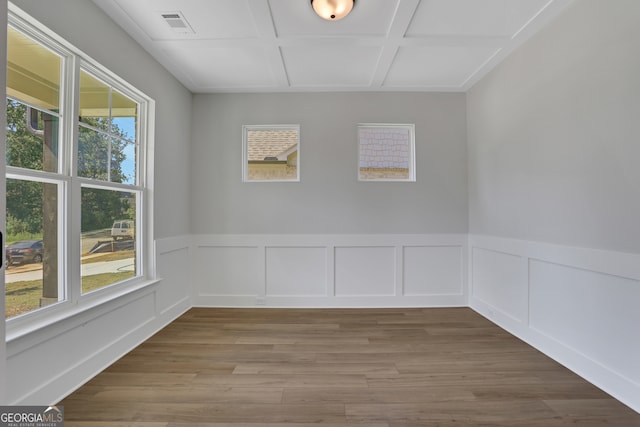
column 621, row 264
column 98, row 336
column 174, row 267
column 577, row 305
column 500, row 282
column 296, row 271
column 386, row 270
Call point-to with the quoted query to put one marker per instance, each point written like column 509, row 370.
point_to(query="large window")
column 76, row 191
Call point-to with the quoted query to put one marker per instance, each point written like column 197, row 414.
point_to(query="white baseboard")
column 332, row 302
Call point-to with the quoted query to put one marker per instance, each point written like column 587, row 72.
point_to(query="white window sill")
column 59, row 313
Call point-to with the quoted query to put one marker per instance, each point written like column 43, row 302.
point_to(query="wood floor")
column 380, row 367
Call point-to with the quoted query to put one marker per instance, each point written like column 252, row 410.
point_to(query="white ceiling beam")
column 266, row 28
column 399, row 26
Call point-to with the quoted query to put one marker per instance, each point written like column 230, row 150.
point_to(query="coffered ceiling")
column 282, row 45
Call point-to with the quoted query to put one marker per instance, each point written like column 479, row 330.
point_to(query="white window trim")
column 412, row 150
column 70, row 186
column 245, row 152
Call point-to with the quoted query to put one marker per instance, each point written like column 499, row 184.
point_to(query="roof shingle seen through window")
column 262, row 144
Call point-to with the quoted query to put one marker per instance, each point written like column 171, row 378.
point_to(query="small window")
column 386, row 152
column 271, row 153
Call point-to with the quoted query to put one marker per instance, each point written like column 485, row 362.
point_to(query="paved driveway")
column 34, row 271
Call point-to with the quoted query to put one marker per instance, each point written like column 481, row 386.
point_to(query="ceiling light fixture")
column 332, row 10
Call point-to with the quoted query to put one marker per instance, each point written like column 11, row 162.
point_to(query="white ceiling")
column 282, row 45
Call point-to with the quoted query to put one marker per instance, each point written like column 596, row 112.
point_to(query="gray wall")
column 329, row 198
column 554, row 134
column 84, row 25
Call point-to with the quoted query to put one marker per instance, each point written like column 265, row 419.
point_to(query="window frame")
column 245, row 150
column 410, row 127
column 70, row 184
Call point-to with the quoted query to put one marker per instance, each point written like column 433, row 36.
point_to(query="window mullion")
column 72, row 245
column 73, row 241
column 109, row 131
column 34, row 175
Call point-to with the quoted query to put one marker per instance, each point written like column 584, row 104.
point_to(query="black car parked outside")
column 24, row 251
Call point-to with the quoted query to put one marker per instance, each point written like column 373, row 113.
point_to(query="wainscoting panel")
column 581, row 305
column 598, row 321
column 174, row 267
column 330, row 270
column 498, row 281
column 365, row 271
column 229, row 270
column 296, row 271
column 433, row 270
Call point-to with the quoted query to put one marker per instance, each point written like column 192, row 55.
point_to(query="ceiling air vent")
column 177, row 23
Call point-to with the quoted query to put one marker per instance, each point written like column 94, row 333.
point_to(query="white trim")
column 3, row 127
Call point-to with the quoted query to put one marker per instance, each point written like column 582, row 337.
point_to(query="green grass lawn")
column 22, row 297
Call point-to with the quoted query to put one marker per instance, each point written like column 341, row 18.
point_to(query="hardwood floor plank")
column 147, row 379
column 282, row 327
column 213, row 356
column 473, row 411
column 293, row 340
column 113, row 424
column 377, row 395
column 204, row 349
column 230, row 413
column 535, row 391
column 182, row 394
column 219, row 339
column 172, row 366
column 454, row 379
column 483, row 365
column 604, row 411
column 343, row 348
column 316, row 368
column 281, row 380
column 276, row 425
